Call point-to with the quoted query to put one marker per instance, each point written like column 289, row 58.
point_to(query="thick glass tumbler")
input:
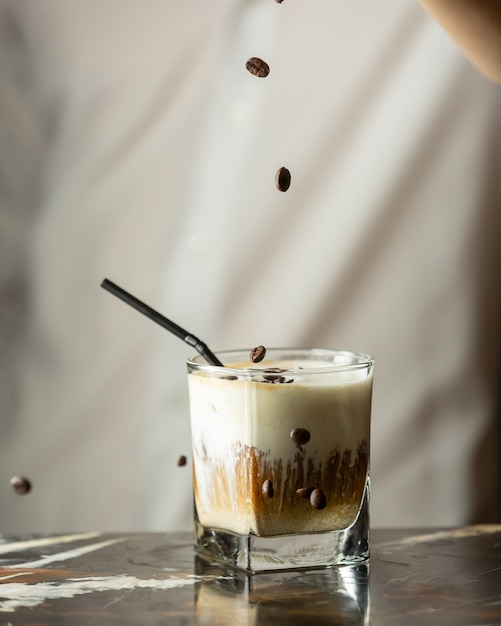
column 281, row 458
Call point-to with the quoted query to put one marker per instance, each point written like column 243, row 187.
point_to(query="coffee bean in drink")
column 300, row 436
column 257, row 354
column 305, row 492
column 267, row 489
column 258, row 67
column 182, row 460
column 20, row 484
column 317, row 499
column 273, row 375
column 283, row 179
column 274, row 379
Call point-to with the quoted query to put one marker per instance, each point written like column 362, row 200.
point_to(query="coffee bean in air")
column 257, row 354
column 300, row 436
column 20, row 484
column 283, row 179
column 182, row 460
column 258, row 67
column 318, row 499
column 267, row 488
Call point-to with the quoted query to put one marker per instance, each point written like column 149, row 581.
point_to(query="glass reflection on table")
column 336, row 595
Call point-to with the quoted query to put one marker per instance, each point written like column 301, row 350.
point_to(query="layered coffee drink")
column 281, row 447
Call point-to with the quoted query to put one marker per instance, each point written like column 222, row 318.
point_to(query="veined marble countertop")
column 414, row 577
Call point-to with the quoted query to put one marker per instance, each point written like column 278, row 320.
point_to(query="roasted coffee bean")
column 300, row 436
column 273, row 375
column 257, row 354
column 20, row 484
column 182, row 460
column 258, row 67
column 283, row 179
column 317, row 499
column 267, row 489
column 274, row 379
column 305, row 492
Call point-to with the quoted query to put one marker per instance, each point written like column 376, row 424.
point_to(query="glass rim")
column 360, row 360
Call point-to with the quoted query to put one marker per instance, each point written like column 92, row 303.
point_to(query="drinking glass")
column 281, row 454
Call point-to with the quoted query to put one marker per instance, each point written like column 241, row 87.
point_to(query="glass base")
column 261, row 554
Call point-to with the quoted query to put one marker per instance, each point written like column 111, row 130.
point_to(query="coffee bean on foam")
column 267, row 489
column 258, row 67
column 318, row 499
column 300, row 436
column 273, row 375
column 20, row 484
column 182, row 460
column 283, row 179
column 257, row 354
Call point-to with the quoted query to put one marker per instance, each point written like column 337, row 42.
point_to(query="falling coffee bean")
column 257, row 354
column 283, row 179
column 182, row 460
column 258, row 67
column 300, row 436
column 267, row 488
column 305, row 492
column 317, row 499
column 20, row 484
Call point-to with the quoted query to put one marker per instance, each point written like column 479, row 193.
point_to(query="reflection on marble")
column 330, row 596
column 417, row 577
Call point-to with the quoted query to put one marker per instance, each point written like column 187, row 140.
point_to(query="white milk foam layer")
column 335, row 411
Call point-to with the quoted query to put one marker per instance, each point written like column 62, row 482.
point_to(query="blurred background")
column 136, row 146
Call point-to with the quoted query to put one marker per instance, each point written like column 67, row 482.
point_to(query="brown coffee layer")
column 238, row 501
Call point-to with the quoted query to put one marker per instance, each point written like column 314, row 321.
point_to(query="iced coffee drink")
column 281, row 447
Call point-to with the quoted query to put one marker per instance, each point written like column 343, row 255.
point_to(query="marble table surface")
column 414, row 577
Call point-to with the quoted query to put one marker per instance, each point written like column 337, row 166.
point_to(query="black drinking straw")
column 187, row 337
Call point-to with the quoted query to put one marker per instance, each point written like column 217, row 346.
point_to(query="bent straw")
column 187, row 337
